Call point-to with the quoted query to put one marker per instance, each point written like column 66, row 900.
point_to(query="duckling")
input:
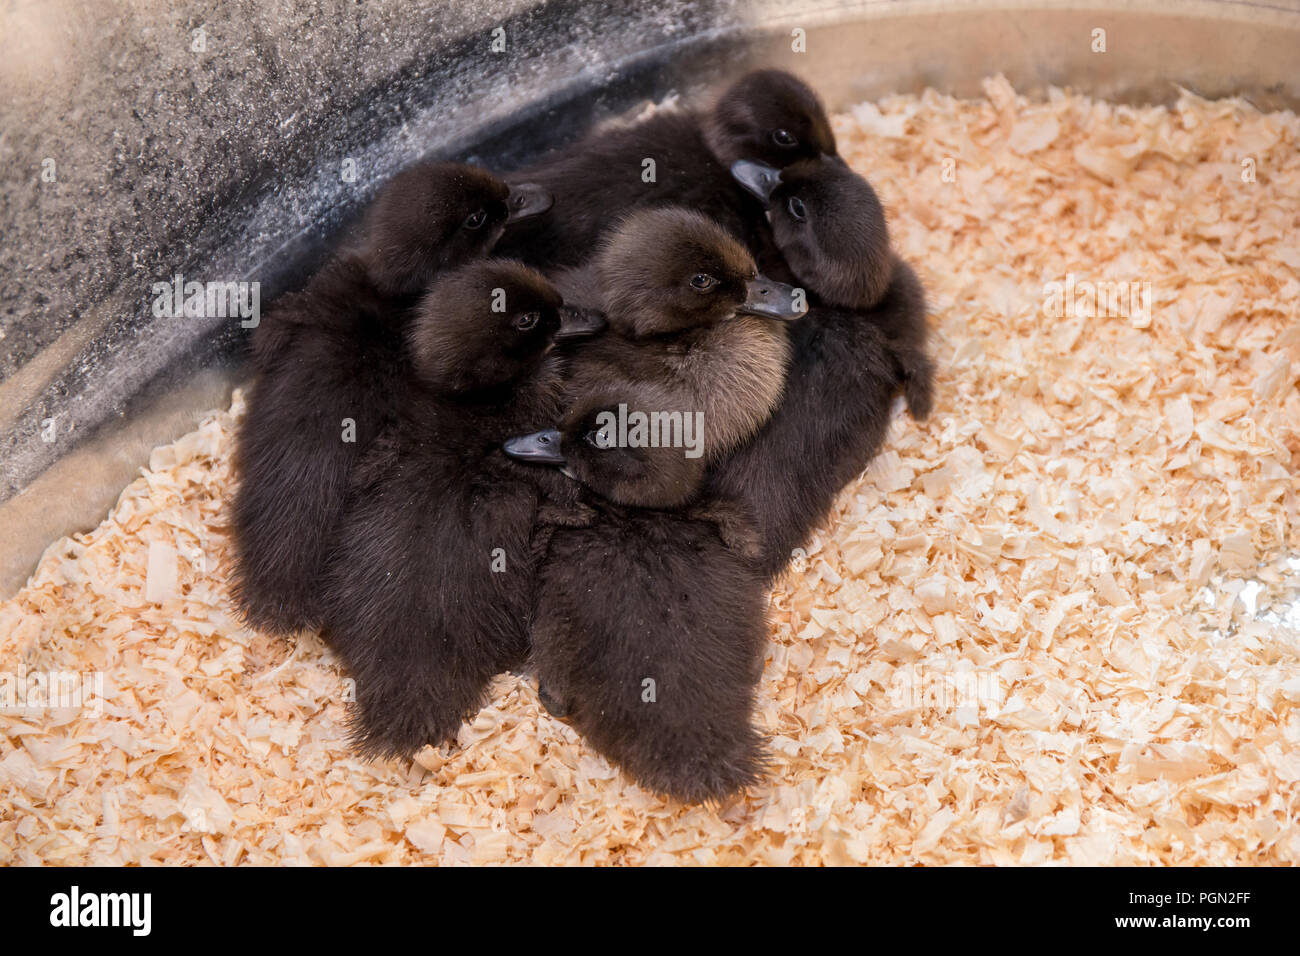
column 429, row 585
column 830, row 424
column 767, row 115
column 429, row 217
column 433, row 216
column 649, row 630
column 329, row 359
column 647, row 472
column 852, row 356
column 690, row 315
column 829, row 224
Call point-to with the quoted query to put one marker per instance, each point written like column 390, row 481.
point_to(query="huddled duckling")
column 649, row 629
column 829, row 224
column 329, row 359
column 432, row 475
column 852, row 356
column 690, row 315
column 430, row 584
column 768, row 115
column 435, row 216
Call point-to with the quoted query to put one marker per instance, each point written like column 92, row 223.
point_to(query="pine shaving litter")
column 1050, row 625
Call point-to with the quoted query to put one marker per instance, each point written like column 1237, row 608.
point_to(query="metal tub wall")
column 146, row 139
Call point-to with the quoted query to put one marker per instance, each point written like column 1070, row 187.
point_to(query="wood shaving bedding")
column 1055, row 623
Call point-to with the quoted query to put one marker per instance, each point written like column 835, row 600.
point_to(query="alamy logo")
column 1082, row 299
column 45, row 690
column 103, row 909
column 211, row 300
column 914, row 686
column 651, row 430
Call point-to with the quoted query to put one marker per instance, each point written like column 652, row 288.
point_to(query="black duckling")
column 434, row 216
column 429, row 587
column 767, row 115
column 849, row 364
column 646, row 473
column 649, row 630
column 689, row 315
column 829, row 224
column 429, row 217
column 830, row 424
column 330, row 358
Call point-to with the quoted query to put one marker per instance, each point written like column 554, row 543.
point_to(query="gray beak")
column 542, row 448
column 772, row 300
column 578, row 323
column 527, row 200
column 758, row 178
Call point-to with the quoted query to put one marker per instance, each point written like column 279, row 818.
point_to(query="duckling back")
column 649, row 635
column 674, row 157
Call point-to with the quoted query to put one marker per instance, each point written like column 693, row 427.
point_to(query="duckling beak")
column 772, row 300
column 554, row 706
column 758, row 178
column 578, row 323
column 542, row 448
column 527, row 200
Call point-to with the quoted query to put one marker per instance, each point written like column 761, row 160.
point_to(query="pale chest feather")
column 734, row 373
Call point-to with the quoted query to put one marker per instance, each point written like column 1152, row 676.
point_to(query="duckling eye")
column 703, row 282
column 476, row 219
column 526, row 321
column 796, row 207
column 599, row 438
column 784, row 138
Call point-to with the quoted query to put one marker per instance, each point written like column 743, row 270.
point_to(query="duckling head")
column 770, row 116
column 488, row 323
column 667, row 270
column 829, row 224
column 436, row 216
column 627, row 445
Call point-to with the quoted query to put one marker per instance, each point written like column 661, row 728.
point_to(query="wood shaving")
column 1049, row 625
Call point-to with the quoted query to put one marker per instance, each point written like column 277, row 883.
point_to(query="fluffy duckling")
column 767, row 115
column 829, row 224
column 645, row 472
column 434, row 216
column 830, row 424
column 429, row 587
column 330, row 358
column 691, row 317
column 427, row 218
column 850, row 361
column 649, row 629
